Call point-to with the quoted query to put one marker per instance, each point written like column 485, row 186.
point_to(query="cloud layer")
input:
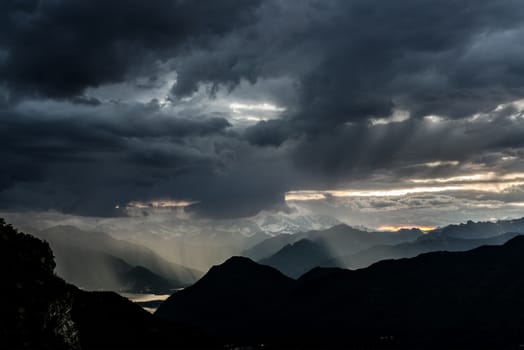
column 230, row 105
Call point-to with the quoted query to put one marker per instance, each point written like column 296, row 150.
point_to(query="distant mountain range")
column 296, row 254
column 297, row 258
column 340, row 239
column 202, row 243
column 473, row 230
column 347, row 247
column 436, row 300
column 429, row 243
column 96, row 261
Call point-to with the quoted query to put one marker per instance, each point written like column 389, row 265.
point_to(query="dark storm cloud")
column 68, row 147
column 353, row 60
column 58, row 48
column 87, row 160
column 398, row 151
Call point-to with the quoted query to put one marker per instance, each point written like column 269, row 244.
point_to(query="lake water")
column 148, row 302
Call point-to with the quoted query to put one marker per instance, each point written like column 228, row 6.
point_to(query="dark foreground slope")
column 438, row 300
column 41, row 311
column 236, row 298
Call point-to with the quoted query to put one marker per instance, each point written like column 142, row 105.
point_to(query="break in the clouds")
column 233, row 107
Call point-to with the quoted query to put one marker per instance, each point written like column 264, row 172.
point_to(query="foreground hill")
column 459, row 300
column 41, row 311
column 239, row 290
column 95, row 260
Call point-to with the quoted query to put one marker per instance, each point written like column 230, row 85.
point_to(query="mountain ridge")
column 438, row 299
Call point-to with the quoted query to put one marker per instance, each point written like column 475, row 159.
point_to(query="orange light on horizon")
column 159, row 204
column 297, row 196
column 392, row 228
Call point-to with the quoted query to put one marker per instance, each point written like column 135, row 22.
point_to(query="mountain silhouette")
column 41, row 311
column 239, row 289
column 436, row 300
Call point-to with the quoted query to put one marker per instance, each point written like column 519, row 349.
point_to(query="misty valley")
column 458, row 286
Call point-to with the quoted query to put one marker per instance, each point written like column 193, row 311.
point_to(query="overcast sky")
column 378, row 112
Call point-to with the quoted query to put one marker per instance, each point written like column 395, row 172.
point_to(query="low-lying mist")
column 158, row 254
column 179, row 238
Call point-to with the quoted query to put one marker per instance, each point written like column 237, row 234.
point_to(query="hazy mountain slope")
column 429, row 243
column 93, row 270
column 201, row 243
column 472, row 229
column 272, row 245
column 347, row 247
column 141, row 280
column 296, row 259
column 63, row 238
column 339, row 240
column 296, row 254
column 452, row 300
column 343, row 239
column 201, row 251
column 88, row 268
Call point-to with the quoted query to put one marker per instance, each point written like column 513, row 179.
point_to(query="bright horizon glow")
column 309, row 195
column 490, row 182
column 158, row 204
column 254, row 112
column 256, row 107
column 441, row 163
column 487, row 176
column 303, row 196
column 396, row 228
